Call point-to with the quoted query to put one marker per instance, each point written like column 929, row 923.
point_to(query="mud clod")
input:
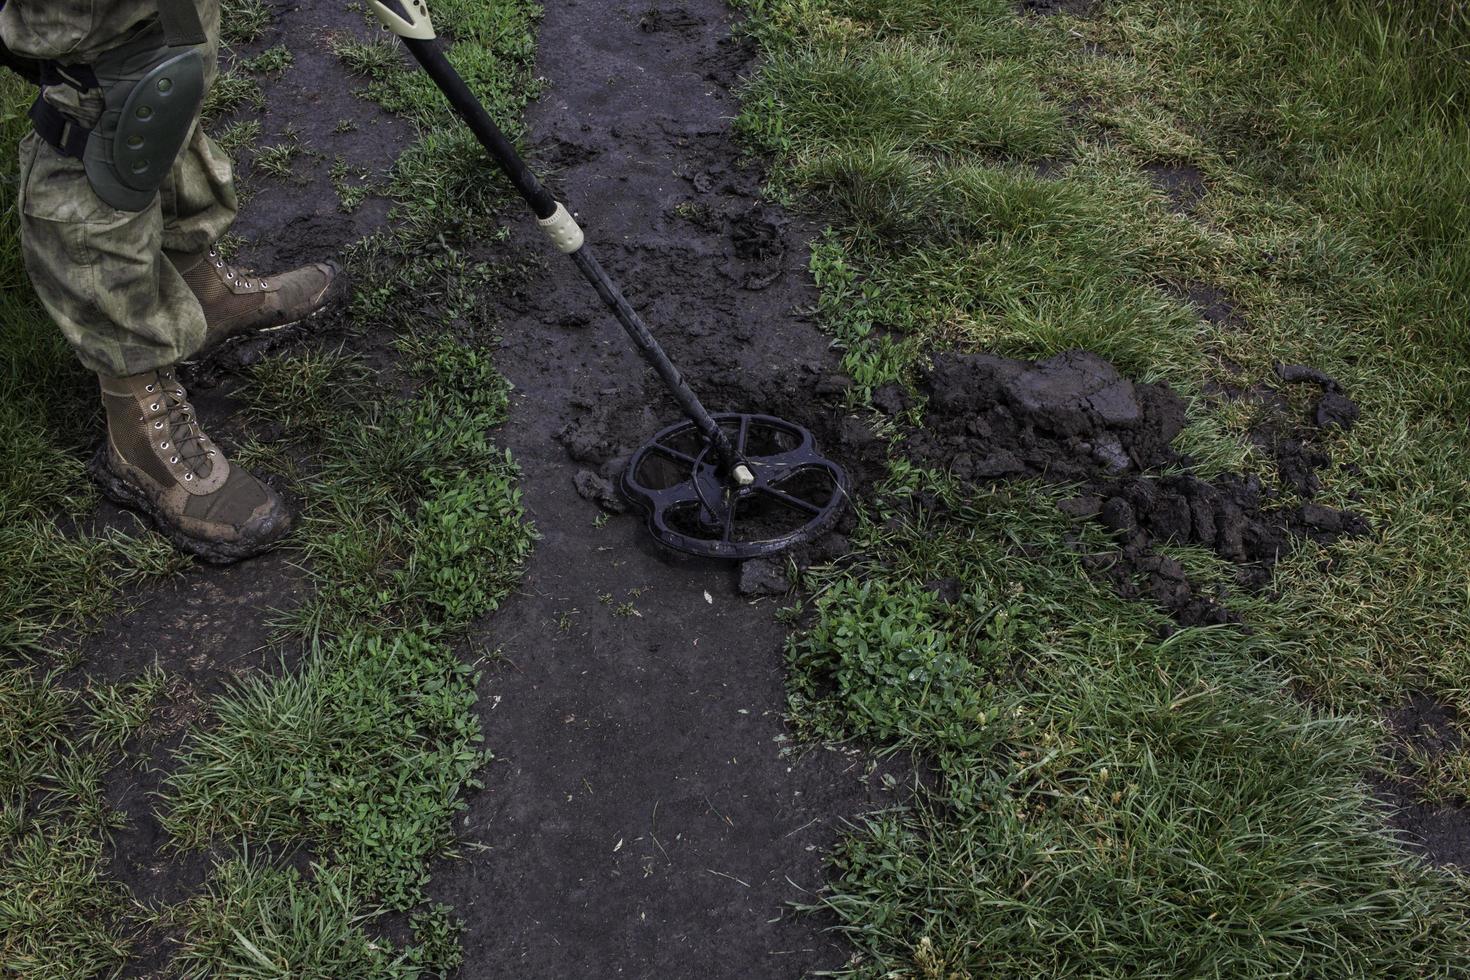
column 1336, row 410
column 656, row 20
column 1212, row 304
column 1074, row 418
column 891, row 399
column 1182, row 184
column 600, row 491
column 1303, row 374
column 1067, row 418
column 763, row 577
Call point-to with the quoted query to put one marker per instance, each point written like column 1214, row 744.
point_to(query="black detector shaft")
column 568, row 236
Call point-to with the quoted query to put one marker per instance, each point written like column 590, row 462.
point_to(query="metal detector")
column 724, row 486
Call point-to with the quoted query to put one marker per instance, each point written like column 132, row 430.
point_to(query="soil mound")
column 1074, row 418
column 1068, row 418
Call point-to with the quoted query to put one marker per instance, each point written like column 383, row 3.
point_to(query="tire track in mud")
column 643, row 819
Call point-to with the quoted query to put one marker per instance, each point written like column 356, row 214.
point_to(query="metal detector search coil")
column 794, row 494
column 741, row 486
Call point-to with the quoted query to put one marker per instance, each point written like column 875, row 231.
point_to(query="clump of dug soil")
column 1074, row 419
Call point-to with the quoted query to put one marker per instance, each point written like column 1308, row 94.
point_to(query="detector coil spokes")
column 694, row 504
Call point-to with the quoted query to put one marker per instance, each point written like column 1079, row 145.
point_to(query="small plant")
column 278, row 160
column 351, row 185
column 231, row 92
column 244, row 21
column 376, row 59
column 272, row 62
column 123, row 711
column 242, row 135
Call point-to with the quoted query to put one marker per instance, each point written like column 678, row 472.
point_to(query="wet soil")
column 1074, row 419
column 1440, row 831
column 646, row 818
column 647, row 814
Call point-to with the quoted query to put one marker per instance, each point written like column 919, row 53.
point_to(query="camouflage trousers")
column 103, row 274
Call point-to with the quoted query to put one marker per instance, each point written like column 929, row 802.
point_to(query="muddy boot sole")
column 124, row 494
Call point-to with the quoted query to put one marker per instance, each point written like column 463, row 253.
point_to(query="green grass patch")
column 365, row 748
column 412, row 529
column 1110, row 804
column 60, row 914
column 258, row 922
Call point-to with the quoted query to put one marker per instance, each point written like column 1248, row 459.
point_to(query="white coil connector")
column 743, row 476
column 563, row 230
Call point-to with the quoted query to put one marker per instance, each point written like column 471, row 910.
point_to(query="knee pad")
column 152, row 95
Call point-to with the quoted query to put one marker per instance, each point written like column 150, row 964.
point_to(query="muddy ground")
column 647, row 815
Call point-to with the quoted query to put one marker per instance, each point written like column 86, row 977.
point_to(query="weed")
column 279, row 159
column 351, row 185
column 233, row 91
column 239, row 136
column 272, row 62
column 244, row 21
column 257, row 921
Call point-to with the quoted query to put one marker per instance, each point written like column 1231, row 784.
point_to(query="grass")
column 278, row 160
column 1105, row 802
column 412, row 530
column 48, row 420
column 259, row 921
column 1109, row 803
column 359, row 754
column 60, row 914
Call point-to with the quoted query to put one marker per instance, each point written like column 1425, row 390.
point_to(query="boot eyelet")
column 148, row 388
column 173, row 459
column 153, row 407
column 158, row 424
column 212, row 452
column 163, row 445
column 188, row 477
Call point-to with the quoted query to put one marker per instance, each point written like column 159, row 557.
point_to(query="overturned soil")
column 1074, row 419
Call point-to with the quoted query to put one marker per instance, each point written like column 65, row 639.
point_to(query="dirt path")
column 643, row 821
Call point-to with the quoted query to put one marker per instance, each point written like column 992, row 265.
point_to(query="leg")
column 100, row 272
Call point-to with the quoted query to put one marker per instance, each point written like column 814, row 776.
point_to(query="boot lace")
column 233, row 275
column 185, row 442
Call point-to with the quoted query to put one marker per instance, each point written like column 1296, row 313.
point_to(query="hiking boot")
column 157, row 460
column 239, row 302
